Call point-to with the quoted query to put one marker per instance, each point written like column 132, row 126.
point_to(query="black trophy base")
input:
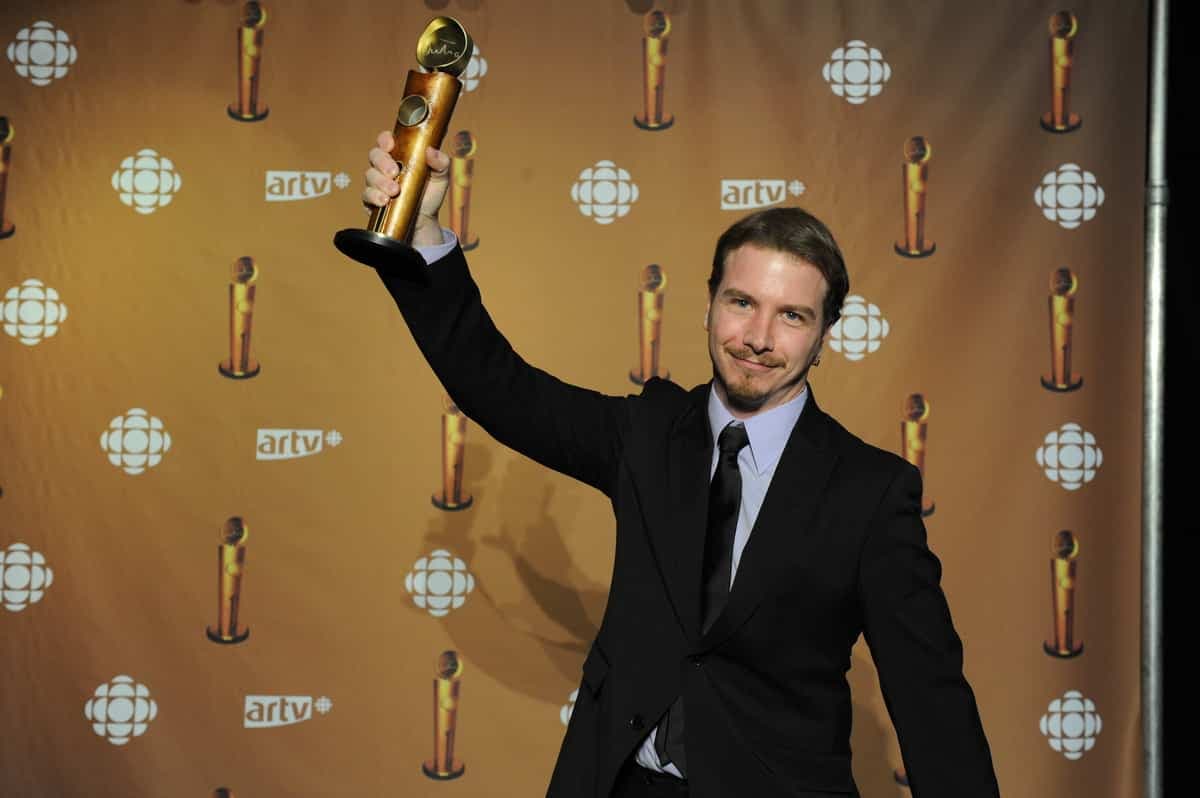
column 470, row 246
column 926, row 249
column 928, row 511
column 227, row 370
column 1051, row 385
column 1047, row 122
column 256, row 116
column 1060, row 654
column 900, row 777
column 378, row 251
column 227, row 640
column 430, row 770
column 443, row 503
column 7, row 229
column 646, row 124
column 635, row 376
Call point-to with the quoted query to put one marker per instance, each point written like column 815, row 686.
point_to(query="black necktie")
column 724, row 499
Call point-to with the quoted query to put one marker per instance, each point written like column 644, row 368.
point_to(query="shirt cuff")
column 436, row 252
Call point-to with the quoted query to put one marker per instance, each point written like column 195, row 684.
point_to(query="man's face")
column 765, row 327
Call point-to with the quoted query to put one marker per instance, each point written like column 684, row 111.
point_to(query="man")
column 756, row 537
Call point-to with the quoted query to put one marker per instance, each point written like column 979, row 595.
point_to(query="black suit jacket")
column 838, row 550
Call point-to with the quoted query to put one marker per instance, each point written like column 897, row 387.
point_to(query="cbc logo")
column 476, row 69
column 120, row 710
column 42, row 53
column 860, row 330
column 1069, row 196
column 1069, row 456
column 146, row 181
column 856, row 72
column 439, row 583
column 32, row 312
column 1071, row 725
column 24, row 576
column 568, row 709
column 604, row 192
column 135, row 441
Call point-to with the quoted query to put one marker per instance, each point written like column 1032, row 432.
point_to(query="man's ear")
column 707, row 310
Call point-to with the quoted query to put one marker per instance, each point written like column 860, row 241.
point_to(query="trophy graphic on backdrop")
column 462, row 172
column 1063, row 285
column 657, row 26
column 1060, row 118
column 7, row 133
column 241, row 365
column 454, row 434
column 443, row 766
column 650, row 310
column 912, row 437
column 916, row 182
column 900, row 776
column 250, row 41
column 429, row 98
column 231, row 562
column 223, row 792
column 1065, row 552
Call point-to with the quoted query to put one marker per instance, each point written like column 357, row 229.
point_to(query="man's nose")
column 757, row 334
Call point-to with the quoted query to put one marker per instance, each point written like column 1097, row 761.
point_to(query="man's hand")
column 381, row 186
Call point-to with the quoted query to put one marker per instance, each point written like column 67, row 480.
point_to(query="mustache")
column 748, row 354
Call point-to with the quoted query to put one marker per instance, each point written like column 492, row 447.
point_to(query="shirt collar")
column 768, row 432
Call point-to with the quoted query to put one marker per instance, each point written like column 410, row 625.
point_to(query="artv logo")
column 288, row 444
column 1071, row 725
column 1069, row 456
column 121, row 709
column 744, row 195
column 32, row 312
column 860, row 330
column 271, row 711
column 285, row 186
column 135, row 441
column 42, row 53
column 24, row 576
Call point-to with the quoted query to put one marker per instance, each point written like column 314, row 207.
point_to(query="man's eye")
column 741, row 302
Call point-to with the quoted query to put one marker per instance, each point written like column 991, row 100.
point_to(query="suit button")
column 637, row 723
column 698, row 662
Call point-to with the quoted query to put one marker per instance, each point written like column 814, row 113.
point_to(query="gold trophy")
column 454, row 435
column 650, row 310
column 916, row 183
column 250, row 42
column 1063, row 285
column 1060, row 118
column 7, row 228
column 1062, row 590
column 241, row 365
column 462, row 171
column 444, row 766
column 231, row 562
column 912, row 437
column 657, row 26
column 429, row 98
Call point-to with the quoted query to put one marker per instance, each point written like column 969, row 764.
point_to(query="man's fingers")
column 438, row 161
column 382, row 160
column 385, row 141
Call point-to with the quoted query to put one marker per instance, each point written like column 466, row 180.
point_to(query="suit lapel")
column 783, row 529
column 679, row 538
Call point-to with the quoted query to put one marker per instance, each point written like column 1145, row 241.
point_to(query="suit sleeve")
column 918, row 654
column 566, row 428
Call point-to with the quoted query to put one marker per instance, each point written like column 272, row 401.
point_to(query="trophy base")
column 227, row 370
column 1051, row 385
column 430, row 769
column 1047, row 122
column 217, row 637
column 7, row 229
column 235, row 114
column 926, row 249
column 451, row 506
column 646, row 124
column 470, row 246
column 379, row 251
column 635, row 376
column 1059, row 653
column 900, row 777
column 928, row 511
